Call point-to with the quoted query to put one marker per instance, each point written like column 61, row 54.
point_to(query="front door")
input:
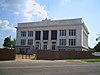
column 53, row 45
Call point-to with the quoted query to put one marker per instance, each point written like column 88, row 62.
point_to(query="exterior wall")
column 56, row 55
column 81, row 34
column 7, row 54
column 84, row 38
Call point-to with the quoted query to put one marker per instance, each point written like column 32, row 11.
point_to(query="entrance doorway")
column 53, row 45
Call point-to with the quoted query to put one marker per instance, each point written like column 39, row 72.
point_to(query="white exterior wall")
column 81, row 33
column 85, row 38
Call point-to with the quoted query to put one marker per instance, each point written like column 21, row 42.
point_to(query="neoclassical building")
column 68, row 34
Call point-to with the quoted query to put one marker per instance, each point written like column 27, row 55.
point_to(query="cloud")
column 63, row 2
column 16, row 13
column 29, row 9
column 4, row 25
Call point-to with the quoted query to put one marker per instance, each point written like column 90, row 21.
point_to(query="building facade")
column 68, row 34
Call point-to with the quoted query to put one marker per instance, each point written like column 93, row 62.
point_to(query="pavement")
column 48, row 67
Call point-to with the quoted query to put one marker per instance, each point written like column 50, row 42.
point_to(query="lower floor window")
column 37, row 46
column 30, row 41
column 23, row 41
column 53, row 45
column 62, row 42
column 45, row 47
column 22, row 50
column 72, row 42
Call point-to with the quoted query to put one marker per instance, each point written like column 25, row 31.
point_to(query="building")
column 68, row 34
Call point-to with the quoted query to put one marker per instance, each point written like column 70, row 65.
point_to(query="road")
column 41, row 67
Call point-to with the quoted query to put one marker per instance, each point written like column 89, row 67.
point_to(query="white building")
column 68, row 34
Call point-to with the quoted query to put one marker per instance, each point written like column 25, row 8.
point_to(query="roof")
column 49, row 22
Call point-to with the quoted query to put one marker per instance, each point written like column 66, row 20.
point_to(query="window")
column 22, row 50
column 45, row 46
column 53, row 45
column 23, row 33
column 62, row 42
column 45, row 35
column 72, row 42
column 30, row 41
column 37, row 45
column 72, row 32
column 23, row 41
column 62, row 32
column 30, row 33
column 54, row 35
column 37, row 35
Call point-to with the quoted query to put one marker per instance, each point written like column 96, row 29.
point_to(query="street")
column 49, row 67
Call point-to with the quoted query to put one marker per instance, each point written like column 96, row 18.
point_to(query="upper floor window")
column 62, row 32
column 54, row 35
column 30, row 41
column 72, row 42
column 30, row 33
column 23, row 41
column 23, row 33
column 45, row 35
column 72, row 32
column 62, row 42
column 37, row 35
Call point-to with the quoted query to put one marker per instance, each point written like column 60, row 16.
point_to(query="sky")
column 17, row 11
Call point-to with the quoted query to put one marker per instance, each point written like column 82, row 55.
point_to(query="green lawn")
column 85, row 60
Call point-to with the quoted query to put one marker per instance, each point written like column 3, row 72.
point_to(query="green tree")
column 13, row 42
column 97, row 47
column 7, row 42
column 98, row 38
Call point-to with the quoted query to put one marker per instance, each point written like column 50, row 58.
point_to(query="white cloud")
column 30, row 9
column 63, row 2
column 4, row 25
column 16, row 13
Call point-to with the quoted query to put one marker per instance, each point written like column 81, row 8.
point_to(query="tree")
column 97, row 47
column 7, row 42
column 98, row 38
column 13, row 42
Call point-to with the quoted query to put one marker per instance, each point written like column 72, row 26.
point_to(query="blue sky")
column 15, row 11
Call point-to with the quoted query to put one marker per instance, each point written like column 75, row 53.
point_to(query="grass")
column 91, row 60
column 85, row 60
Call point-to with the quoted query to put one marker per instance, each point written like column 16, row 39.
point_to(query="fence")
column 7, row 54
column 55, row 55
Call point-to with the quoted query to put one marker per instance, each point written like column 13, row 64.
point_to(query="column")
column 67, row 37
column 41, row 42
column 26, row 38
column 57, row 37
column 34, row 38
column 49, row 42
column 57, row 43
